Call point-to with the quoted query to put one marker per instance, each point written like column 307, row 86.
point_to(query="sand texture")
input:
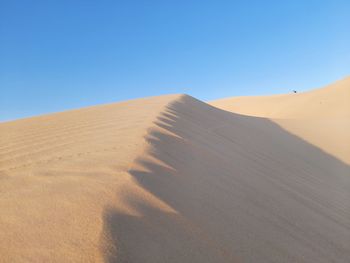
column 174, row 179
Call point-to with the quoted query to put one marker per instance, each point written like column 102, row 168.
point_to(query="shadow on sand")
column 244, row 190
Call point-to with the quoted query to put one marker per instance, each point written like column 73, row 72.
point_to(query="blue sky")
column 59, row 55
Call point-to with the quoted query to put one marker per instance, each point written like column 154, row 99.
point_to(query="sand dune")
column 170, row 179
column 331, row 101
column 321, row 116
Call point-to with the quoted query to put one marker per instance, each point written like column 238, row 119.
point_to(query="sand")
column 320, row 117
column 174, row 179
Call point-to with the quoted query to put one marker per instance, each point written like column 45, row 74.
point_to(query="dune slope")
column 168, row 179
column 246, row 190
column 331, row 101
column 59, row 171
column 321, row 116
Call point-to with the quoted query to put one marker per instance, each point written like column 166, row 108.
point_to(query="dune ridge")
column 59, row 171
column 251, row 191
column 168, row 179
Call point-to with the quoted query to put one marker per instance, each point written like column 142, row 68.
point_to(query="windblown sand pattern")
column 173, row 179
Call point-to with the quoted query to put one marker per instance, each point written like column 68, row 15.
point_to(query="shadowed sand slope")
column 239, row 189
column 321, row 116
column 168, row 179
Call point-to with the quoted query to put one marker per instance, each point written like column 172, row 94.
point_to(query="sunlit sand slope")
column 331, row 101
column 59, row 172
column 168, row 179
column 321, row 116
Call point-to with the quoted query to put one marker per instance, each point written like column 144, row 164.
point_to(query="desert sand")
column 174, row 179
column 320, row 116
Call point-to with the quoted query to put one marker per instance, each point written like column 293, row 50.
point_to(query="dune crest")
column 168, row 179
column 58, row 172
column 244, row 191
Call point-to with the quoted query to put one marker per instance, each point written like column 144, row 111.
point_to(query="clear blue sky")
column 59, row 55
